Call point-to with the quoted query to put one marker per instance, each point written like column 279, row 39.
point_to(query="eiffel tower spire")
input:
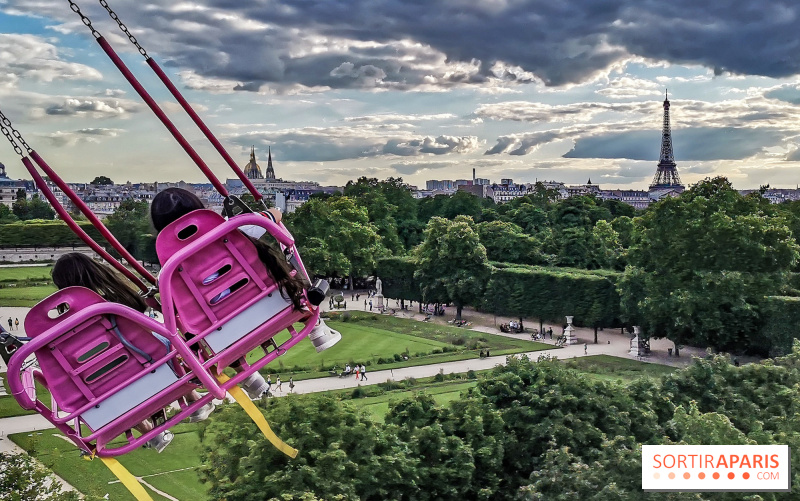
column 667, row 171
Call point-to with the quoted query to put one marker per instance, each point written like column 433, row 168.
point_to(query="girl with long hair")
column 76, row 269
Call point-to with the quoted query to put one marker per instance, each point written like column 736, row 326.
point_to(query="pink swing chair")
column 102, row 363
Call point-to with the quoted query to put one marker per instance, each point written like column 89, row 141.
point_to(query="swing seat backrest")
column 219, row 287
column 88, row 363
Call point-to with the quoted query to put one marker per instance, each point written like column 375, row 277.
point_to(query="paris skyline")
column 515, row 90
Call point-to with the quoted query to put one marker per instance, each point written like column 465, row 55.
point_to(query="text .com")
column 703, row 468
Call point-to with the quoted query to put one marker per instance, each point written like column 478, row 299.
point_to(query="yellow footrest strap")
column 127, row 479
column 258, row 418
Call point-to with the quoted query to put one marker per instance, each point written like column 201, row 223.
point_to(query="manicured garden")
column 383, row 342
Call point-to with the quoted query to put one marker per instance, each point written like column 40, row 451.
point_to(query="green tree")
column 335, row 237
column 507, row 242
column 451, row 263
column 102, row 181
column 20, row 208
column 23, row 479
column 39, row 209
column 130, row 224
column 6, row 215
column 703, row 264
column 607, row 250
column 389, row 205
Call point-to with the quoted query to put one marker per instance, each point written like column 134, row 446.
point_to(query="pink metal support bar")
column 202, row 126
column 92, row 218
column 64, row 215
column 161, row 115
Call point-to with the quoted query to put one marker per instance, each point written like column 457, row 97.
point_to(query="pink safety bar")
column 202, row 243
column 90, row 372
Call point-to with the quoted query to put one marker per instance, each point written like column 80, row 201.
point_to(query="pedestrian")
column 363, row 372
column 585, row 349
column 356, row 371
column 365, row 304
column 370, row 306
column 269, row 385
column 10, row 323
column 278, row 384
column 358, row 297
column 550, row 331
column 291, row 384
column 16, row 323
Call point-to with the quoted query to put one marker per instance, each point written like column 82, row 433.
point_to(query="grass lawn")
column 173, row 471
column 16, row 274
column 608, row 368
column 9, row 406
column 25, row 296
column 368, row 337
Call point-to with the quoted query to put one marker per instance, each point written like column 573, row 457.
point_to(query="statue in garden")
column 378, row 287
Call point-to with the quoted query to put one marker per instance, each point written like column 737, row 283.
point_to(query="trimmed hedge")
column 515, row 290
column 552, row 293
column 38, row 233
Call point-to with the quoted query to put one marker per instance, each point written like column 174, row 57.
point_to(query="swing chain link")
column 5, row 123
column 88, row 22
column 124, row 28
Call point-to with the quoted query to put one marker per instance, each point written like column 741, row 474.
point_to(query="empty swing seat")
column 215, row 289
column 104, row 368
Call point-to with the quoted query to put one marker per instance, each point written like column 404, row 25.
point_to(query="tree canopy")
column 529, row 430
column 451, row 263
column 702, row 265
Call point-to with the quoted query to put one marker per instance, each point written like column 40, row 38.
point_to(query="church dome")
column 252, row 169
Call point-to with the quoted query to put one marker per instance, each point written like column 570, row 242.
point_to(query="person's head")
column 171, row 204
column 76, row 269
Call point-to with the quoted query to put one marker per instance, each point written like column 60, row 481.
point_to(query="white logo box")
column 708, row 468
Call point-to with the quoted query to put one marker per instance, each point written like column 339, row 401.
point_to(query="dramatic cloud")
column 318, row 144
column 33, row 58
column 390, row 45
column 93, row 107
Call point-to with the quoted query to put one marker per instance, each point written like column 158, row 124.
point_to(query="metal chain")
column 84, row 19
column 14, row 132
column 6, row 133
column 124, row 28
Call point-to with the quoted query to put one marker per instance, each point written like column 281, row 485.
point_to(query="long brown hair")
column 172, row 203
column 78, row 269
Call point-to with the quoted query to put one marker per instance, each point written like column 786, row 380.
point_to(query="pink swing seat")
column 215, row 289
column 103, row 380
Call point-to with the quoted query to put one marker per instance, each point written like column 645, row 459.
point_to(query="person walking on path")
column 278, row 384
column 365, row 305
column 269, row 385
column 370, row 305
column 356, row 371
column 291, row 384
column 10, row 323
column 363, row 372
column 16, row 323
column 585, row 349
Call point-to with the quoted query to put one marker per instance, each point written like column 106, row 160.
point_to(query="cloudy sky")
column 522, row 89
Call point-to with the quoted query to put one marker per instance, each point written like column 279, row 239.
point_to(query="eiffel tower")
column 666, row 173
